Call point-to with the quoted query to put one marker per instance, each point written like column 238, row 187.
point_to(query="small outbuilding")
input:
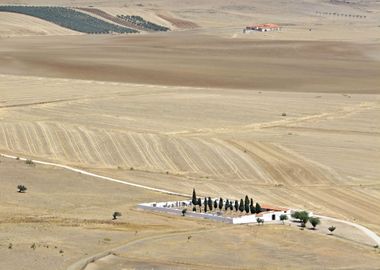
column 267, row 27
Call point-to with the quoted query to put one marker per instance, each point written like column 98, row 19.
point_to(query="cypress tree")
column 209, row 203
column 251, row 202
column 246, row 201
column 227, row 205
column 216, row 204
column 236, row 205
column 205, row 204
column 246, row 208
column 220, row 203
column 252, row 208
column 231, row 206
column 258, row 208
column 194, row 199
column 199, row 202
column 241, row 206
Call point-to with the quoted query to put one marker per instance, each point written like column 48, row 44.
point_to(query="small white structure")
column 269, row 213
column 267, row 27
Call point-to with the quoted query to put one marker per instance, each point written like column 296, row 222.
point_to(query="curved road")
column 365, row 230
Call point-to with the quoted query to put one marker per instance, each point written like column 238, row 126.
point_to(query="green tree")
column 227, row 205
column 115, row 215
column 205, row 205
column 231, row 206
column 283, row 217
column 22, row 188
column 194, row 198
column 251, row 204
column 252, row 208
column 199, row 203
column 209, row 203
column 314, row 221
column 303, row 216
column 258, row 208
column 220, row 203
column 215, row 204
column 332, row 229
column 184, row 212
column 246, row 200
column 236, row 205
column 194, row 209
column 241, row 205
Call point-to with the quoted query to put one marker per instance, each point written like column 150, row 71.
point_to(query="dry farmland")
column 289, row 118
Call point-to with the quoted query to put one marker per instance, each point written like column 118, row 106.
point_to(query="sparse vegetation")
column 332, row 229
column 29, row 162
column 22, row 188
column 115, row 215
column 184, row 212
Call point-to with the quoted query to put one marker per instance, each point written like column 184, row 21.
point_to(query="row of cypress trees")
column 246, row 205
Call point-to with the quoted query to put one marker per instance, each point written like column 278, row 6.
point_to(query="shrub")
column 283, row 217
column 22, row 188
column 258, row 208
column 29, row 162
column 332, row 229
column 194, row 209
column 184, row 212
column 115, row 215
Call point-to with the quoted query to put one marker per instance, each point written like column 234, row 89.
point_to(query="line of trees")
column 69, row 18
column 244, row 205
column 140, row 21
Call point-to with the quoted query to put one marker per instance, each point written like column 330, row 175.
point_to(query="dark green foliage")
column 246, row 208
column 199, row 202
column 220, row 203
column 303, row 216
column 314, row 221
column 258, row 208
column 227, row 205
column 205, row 205
column 22, row 188
column 194, row 209
column 216, row 204
column 115, row 215
column 236, row 205
column 252, row 209
column 184, row 212
column 241, row 205
column 209, row 202
column 251, row 204
column 139, row 21
column 194, row 198
column 231, row 206
column 283, row 217
column 69, row 18
column 246, row 200
column 331, row 229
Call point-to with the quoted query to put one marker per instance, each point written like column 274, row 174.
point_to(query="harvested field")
column 289, row 118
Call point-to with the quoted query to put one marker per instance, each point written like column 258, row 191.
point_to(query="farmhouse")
column 263, row 27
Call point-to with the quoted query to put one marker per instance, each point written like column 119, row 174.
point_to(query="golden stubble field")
column 289, row 118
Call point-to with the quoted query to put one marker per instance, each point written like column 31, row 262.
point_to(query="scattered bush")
column 29, row 162
column 184, row 212
column 115, row 215
column 332, row 229
column 22, row 188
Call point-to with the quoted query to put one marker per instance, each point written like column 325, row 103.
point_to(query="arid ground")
column 290, row 118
